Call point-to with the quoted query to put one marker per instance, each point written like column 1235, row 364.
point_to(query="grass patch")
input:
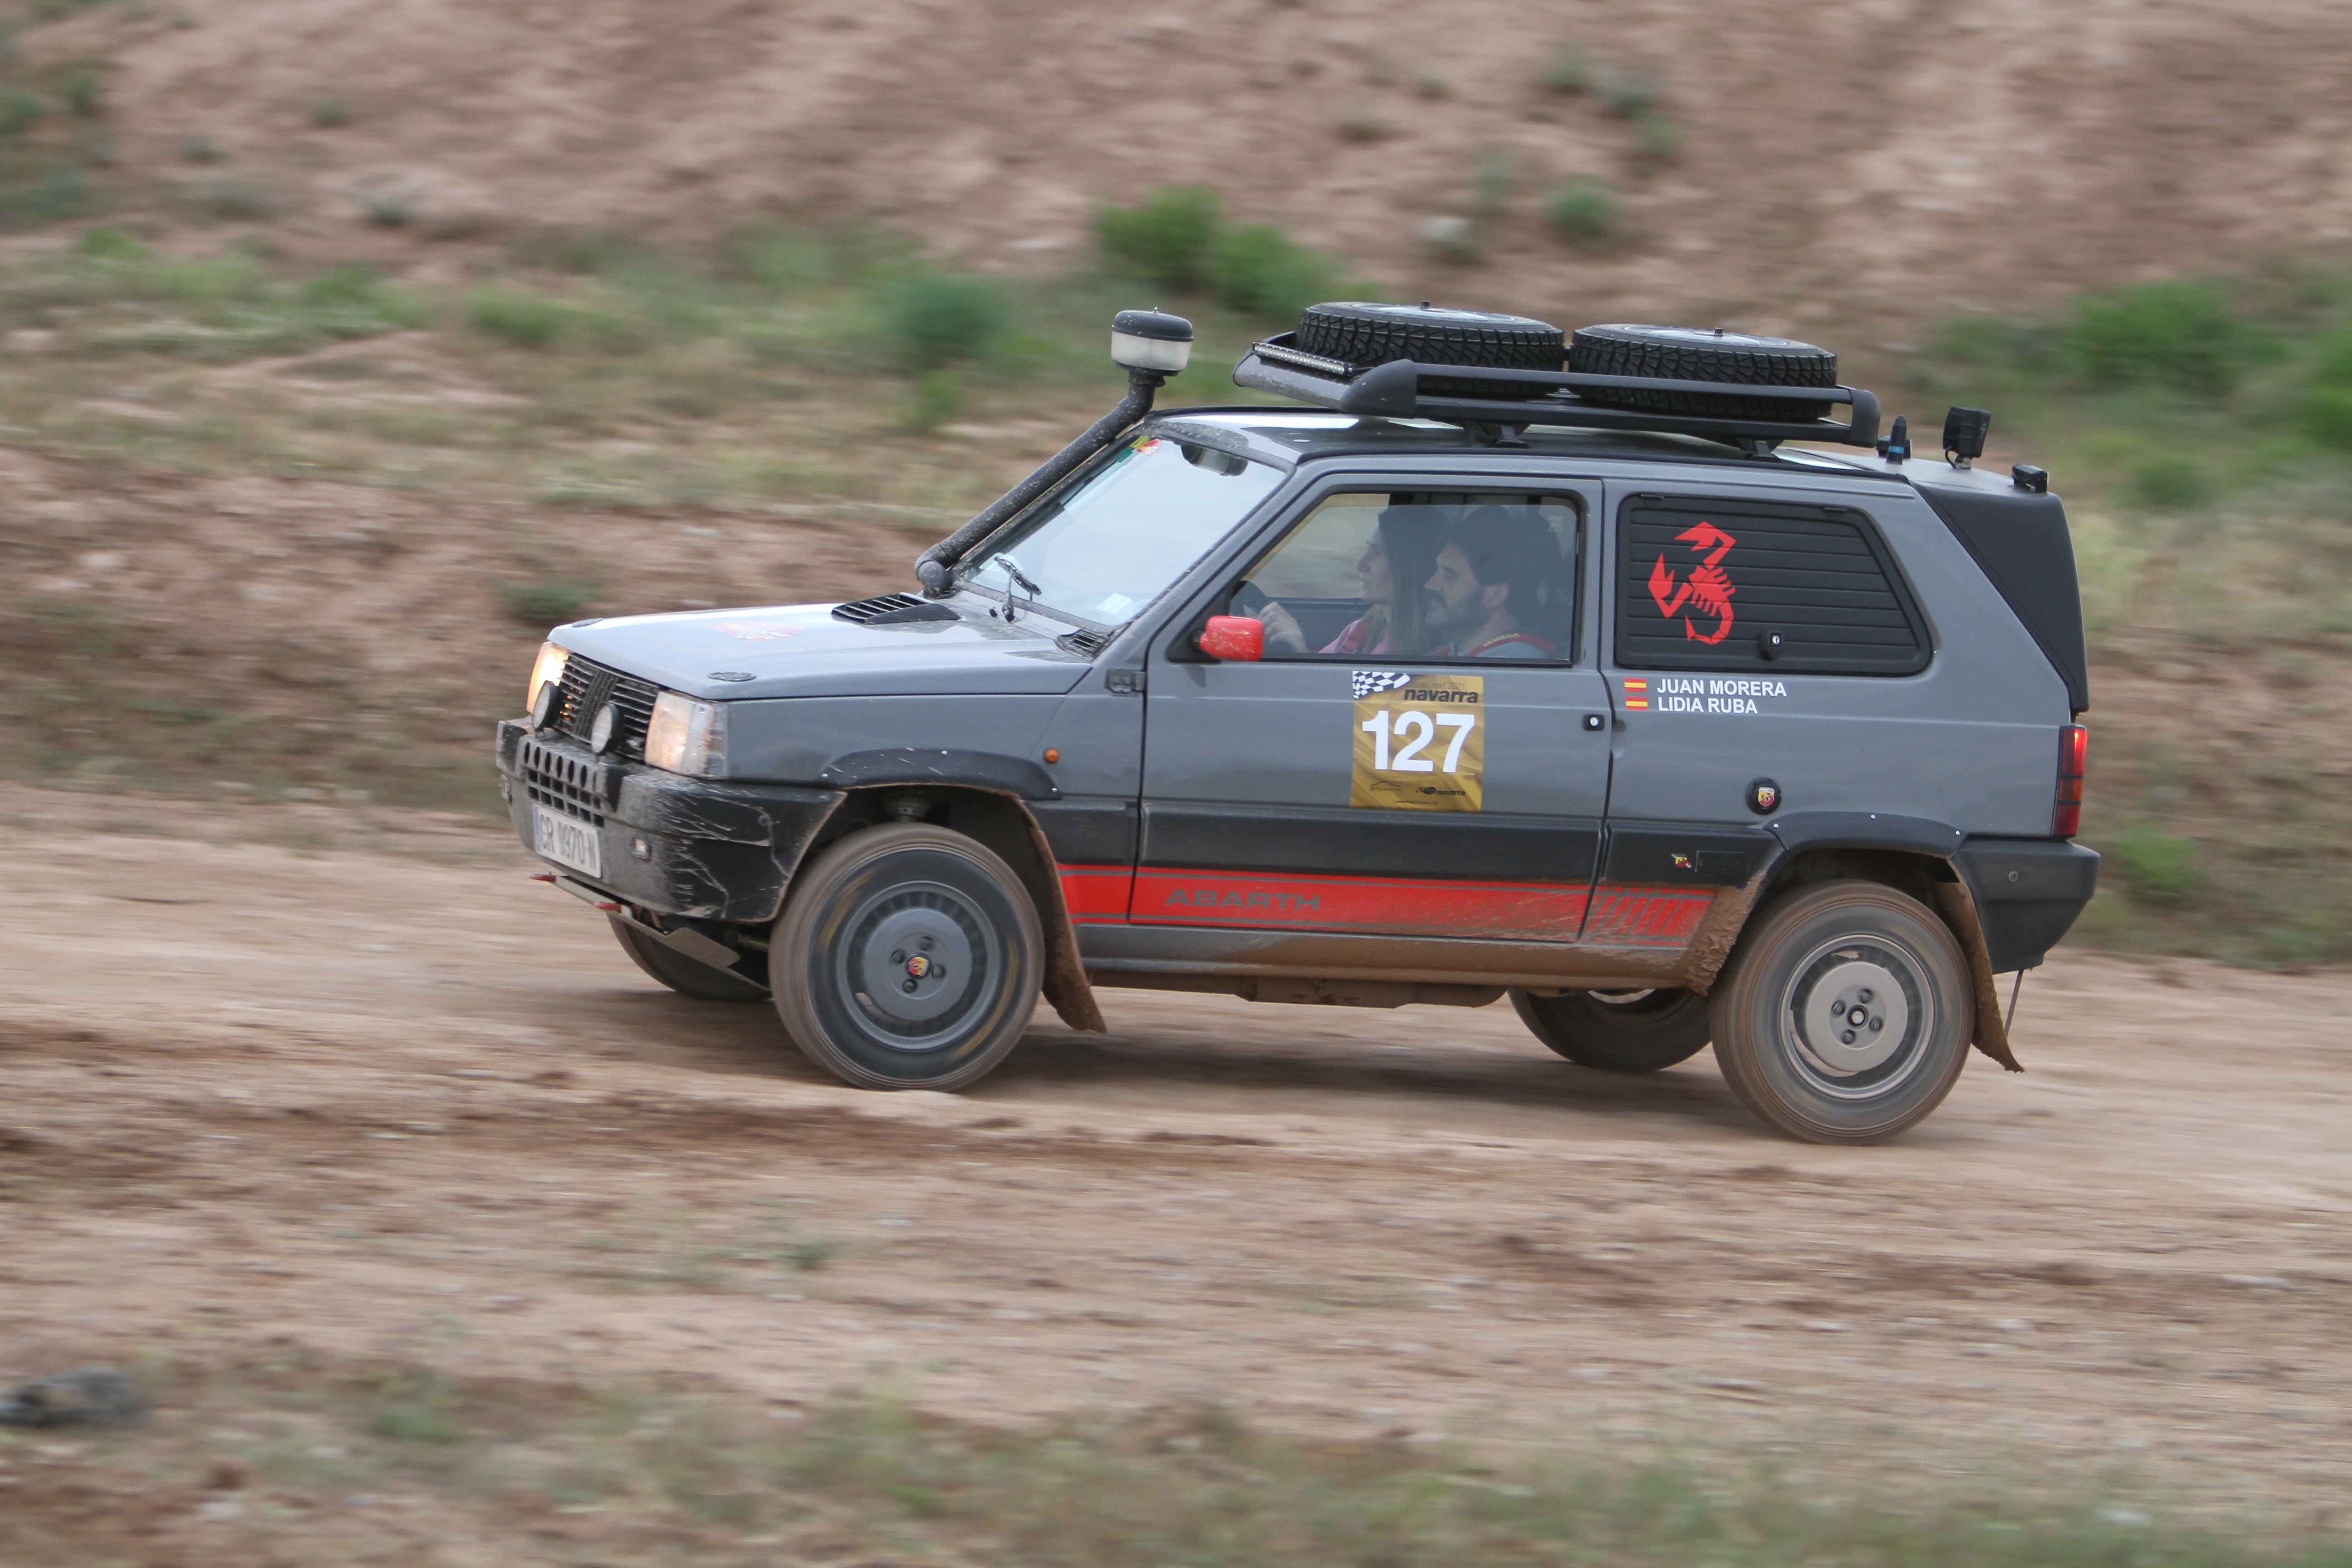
column 1584, row 212
column 937, row 319
column 614, row 1472
column 1178, row 237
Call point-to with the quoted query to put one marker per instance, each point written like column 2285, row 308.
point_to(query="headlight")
column 688, row 736
column 548, row 666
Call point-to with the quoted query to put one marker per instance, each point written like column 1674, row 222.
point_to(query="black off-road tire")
column 1364, row 335
column 1696, row 353
column 842, row 961
column 1638, row 1031
column 1845, row 1013
column 681, row 974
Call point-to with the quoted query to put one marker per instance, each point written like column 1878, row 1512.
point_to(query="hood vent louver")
column 860, row 611
column 890, row 610
column 1083, row 642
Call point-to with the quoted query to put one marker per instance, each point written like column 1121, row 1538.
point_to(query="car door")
column 1350, row 781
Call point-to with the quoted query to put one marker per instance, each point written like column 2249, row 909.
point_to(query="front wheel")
column 1619, row 1031
column 909, row 957
column 1845, row 1014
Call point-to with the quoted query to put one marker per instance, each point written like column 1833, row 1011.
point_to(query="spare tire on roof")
column 1364, row 335
column 1699, row 353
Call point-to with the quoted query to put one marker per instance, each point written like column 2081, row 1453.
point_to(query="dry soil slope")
column 1876, row 156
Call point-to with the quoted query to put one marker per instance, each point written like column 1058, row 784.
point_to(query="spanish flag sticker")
column 1637, row 694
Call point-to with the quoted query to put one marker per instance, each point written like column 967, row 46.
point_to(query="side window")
column 1422, row 576
column 1749, row 586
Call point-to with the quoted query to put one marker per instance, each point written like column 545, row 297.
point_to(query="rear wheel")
column 1845, row 1016
column 1619, row 1031
column 681, row 974
column 909, row 957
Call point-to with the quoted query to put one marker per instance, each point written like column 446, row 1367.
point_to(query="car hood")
column 804, row 650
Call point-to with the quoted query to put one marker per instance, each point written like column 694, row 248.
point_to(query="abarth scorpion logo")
column 1707, row 590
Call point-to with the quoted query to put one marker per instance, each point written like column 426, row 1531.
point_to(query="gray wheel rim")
column 913, row 961
column 1855, row 1016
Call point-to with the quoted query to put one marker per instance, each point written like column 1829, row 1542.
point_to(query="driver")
column 1487, row 591
column 1402, row 551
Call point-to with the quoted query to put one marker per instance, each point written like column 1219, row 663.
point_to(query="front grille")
column 563, row 781
column 864, row 610
column 587, row 687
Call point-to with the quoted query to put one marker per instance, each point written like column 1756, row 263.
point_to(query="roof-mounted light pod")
column 1148, row 339
column 1965, row 430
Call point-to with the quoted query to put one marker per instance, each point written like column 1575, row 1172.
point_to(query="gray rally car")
column 1506, row 664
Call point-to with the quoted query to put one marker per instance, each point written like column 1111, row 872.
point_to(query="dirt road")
column 287, row 1076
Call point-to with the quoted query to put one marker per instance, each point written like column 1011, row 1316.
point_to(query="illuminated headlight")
column 688, row 736
column 548, row 667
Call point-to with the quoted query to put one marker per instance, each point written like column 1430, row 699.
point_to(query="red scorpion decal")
column 1708, row 588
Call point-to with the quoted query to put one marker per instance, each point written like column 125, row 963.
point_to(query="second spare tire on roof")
column 1699, row 353
column 1363, row 334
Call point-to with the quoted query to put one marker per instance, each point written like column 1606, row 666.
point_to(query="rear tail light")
column 2074, row 757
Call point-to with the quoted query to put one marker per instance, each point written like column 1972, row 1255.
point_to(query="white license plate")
column 567, row 842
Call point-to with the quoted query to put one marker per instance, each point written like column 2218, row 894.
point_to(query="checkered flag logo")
column 1368, row 682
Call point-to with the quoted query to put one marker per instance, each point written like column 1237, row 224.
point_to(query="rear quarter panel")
column 1969, row 741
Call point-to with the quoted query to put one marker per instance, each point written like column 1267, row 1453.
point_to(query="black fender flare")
column 1880, row 832
column 990, row 771
column 1010, row 829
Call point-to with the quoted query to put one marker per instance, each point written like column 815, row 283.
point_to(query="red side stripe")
column 1644, row 917
column 1373, row 904
column 1096, row 894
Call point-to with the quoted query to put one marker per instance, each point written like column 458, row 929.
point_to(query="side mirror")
column 1234, row 637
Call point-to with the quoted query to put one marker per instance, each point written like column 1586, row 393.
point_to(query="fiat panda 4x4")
column 1632, row 677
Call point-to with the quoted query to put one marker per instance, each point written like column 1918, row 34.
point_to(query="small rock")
column 226, row 1476
column 85, row 1396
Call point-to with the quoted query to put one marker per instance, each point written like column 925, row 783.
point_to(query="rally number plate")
column 567, row 842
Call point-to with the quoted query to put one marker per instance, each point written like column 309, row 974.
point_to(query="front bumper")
column 688, row 848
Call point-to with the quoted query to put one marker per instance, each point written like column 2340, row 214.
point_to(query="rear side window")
column 1755, row 586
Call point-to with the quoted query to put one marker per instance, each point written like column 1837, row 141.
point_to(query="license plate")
column 567, row 842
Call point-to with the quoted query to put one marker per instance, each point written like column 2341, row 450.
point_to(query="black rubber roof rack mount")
column 1393, row 391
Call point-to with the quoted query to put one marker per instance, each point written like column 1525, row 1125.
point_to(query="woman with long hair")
column 1398, row 559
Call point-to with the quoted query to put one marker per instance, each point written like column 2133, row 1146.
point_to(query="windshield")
column 1122, row 528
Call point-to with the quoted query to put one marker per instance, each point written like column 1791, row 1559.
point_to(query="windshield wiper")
column 1020, row 579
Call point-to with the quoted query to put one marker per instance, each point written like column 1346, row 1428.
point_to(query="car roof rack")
column 1394, row 390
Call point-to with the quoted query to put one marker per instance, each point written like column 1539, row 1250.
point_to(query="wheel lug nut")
column 1876, row 1024
column 1862, row 996
column 909, row 987
column 1847, row 1037
column 900, row 956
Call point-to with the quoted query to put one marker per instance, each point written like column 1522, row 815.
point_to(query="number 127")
column 1413, row 732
